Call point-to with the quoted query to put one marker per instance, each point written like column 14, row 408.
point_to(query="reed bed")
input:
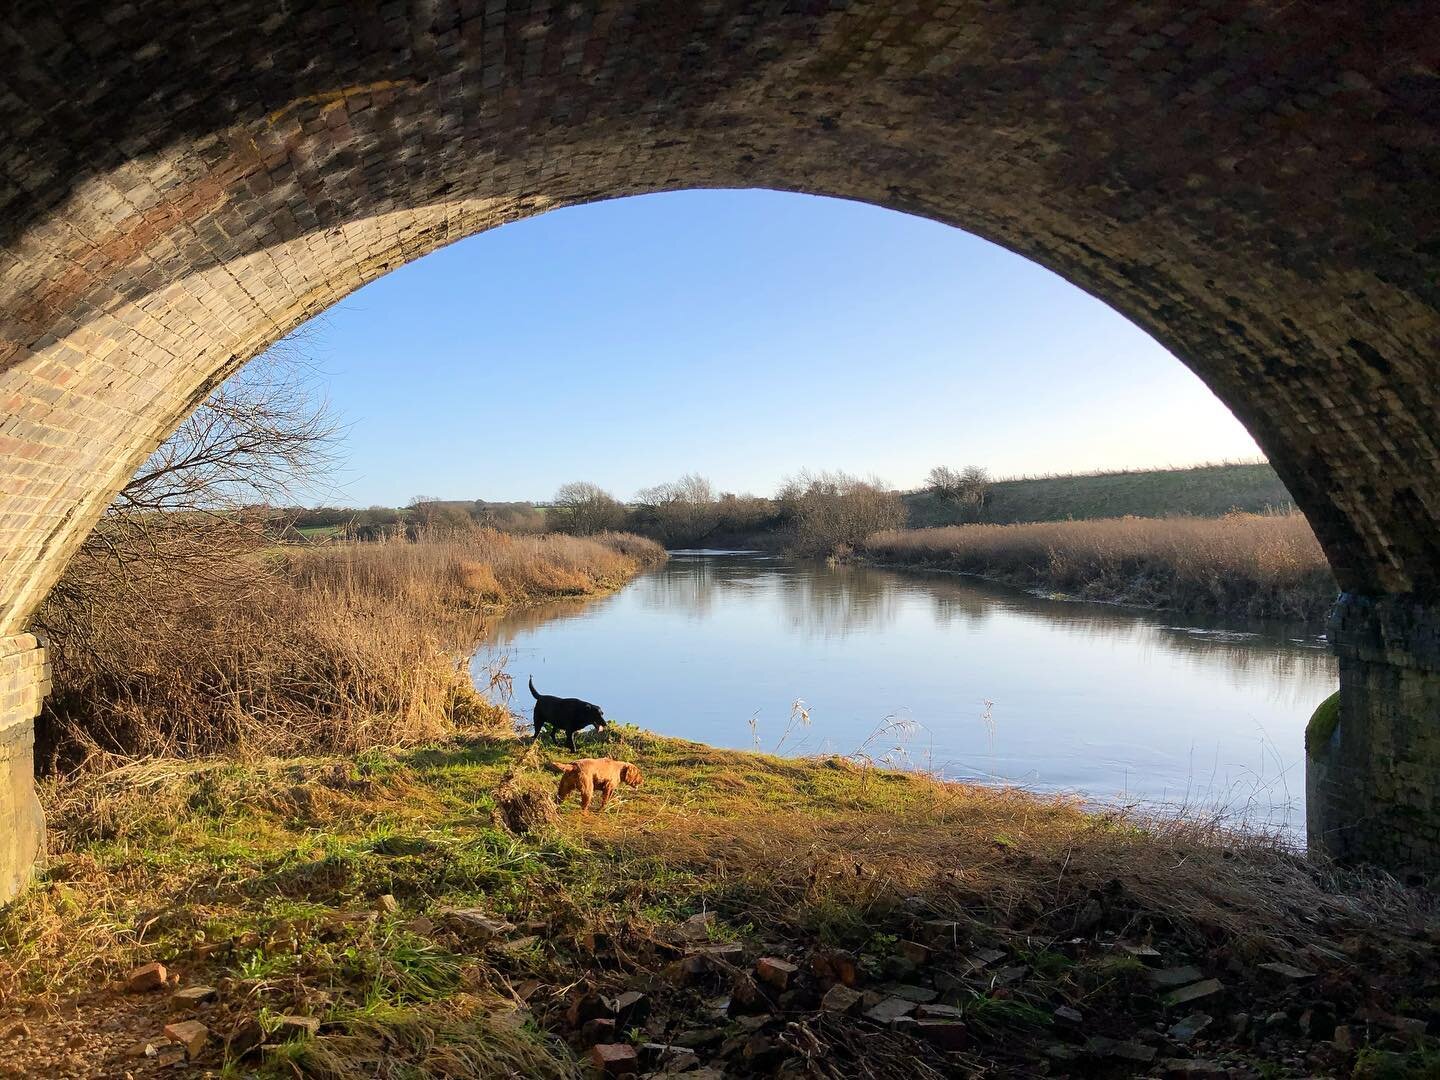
column 1252, row 565
column 335, row 648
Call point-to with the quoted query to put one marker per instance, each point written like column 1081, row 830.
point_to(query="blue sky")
column 743, row 335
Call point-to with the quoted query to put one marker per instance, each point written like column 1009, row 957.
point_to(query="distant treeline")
column 820, row 513
column 1199, row 491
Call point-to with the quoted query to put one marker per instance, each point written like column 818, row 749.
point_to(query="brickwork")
column 182, row 182
column 24, row 682
column 1372, row 794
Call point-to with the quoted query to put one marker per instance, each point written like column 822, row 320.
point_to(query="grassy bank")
column 1255, row 565
column 1201, row 491
column 376, row 916
column 261, row 650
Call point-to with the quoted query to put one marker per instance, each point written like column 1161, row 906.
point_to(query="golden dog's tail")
column 555, row 766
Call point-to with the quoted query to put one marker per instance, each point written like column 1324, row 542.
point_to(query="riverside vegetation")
column 198, row 643
column 1213, row 539
column 290, row 839
column 426, row 913
column 1253, row 565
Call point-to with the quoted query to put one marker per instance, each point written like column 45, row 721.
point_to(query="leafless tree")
column 966, row 488
column 682, row 511
column 203, row 497
column 582, row 508
column 832, row 513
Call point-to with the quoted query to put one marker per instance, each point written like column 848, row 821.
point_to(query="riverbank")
column 1244, row 565
column 239, row 646
column 422, row 913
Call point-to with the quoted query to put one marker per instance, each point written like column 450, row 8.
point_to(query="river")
column 946, row 673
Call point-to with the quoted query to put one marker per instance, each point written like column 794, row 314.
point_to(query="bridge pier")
column 24, row 682
column 1372, row 794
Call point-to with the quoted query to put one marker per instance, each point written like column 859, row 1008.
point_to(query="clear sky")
column 743, row 335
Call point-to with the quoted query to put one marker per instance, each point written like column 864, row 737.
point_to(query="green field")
column 1203, row 491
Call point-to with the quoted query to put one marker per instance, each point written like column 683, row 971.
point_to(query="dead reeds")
column 1256, row 565
column 266, row 650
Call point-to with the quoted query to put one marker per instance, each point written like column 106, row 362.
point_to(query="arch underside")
column 1253, row 187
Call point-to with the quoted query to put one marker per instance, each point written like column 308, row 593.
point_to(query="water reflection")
column 1081, row 696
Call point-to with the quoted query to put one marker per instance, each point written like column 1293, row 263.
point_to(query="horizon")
column 745, row 335
column 632, row 499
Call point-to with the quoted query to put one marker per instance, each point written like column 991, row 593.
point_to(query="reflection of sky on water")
column 1083, row 696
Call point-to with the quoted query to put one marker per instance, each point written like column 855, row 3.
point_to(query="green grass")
column 1202, row 491
column 264, row 878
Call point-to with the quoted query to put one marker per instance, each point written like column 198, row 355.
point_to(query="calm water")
column 943, row 672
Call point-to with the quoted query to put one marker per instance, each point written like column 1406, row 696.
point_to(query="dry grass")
column 336, row 648
column 475, row 569
column 1257, row 565
column 253, row 861
column 812, row 841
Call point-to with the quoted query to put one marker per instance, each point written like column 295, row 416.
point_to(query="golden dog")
column 589, row 775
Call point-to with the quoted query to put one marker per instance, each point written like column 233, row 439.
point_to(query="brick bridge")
column 182, row 182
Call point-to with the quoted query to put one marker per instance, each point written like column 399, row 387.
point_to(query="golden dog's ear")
column 630, row 774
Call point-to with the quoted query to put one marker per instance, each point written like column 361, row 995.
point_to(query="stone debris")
column 840, row 999
column 890, row 1010
column 914, row 953
column 191, row 997
column 145, row 978
column 190, row 1034
column 835, row 967
column 1182, row 1031
column 938, row 1012
column 775, row 972
column 421, row 926
column 387, row 904
column 711, row 959
column 942, row 933
column 631, row 1009
column 1181, row 1067
column 921, row 995
column 1175, row 976
column 600, row 1030
column 984, row 958
column 697, row 927
column 476, row 924
column 1144, row 953
column 615, row 1059
column 1065, row 1015
column 587, row 1007
column 1126, row 1049
column 289, row 1025
column 1287, row 971
column 1194, row 992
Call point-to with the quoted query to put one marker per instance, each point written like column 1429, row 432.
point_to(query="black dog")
column 565, row 714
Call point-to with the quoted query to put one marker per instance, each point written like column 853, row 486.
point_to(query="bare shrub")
column 582, row 508
column 304, row 649
column 833, row 513
column 1249, row 564
column 678, row 513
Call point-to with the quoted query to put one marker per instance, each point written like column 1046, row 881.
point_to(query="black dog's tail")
column 533, row 692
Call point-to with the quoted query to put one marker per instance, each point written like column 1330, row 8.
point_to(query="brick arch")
column 182, row 183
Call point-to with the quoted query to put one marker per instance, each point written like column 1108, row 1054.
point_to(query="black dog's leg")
column 571, row 734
